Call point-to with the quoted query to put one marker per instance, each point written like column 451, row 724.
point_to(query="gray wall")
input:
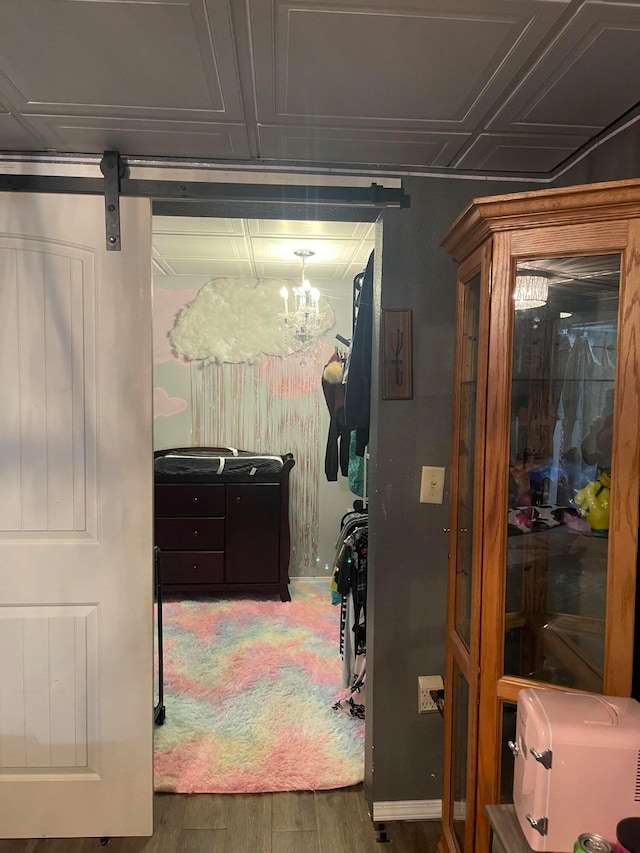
column 408, row 549
column 615, row 160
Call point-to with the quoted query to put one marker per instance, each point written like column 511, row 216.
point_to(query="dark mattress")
column 195, row 465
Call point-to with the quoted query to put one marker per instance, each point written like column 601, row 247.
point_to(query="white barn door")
column 76, row 586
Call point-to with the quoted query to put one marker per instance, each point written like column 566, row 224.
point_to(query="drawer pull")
column 195, row 532
column 237, row 500
column 194, row 500
column 195, row 568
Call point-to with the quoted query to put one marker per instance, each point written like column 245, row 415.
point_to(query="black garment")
column 339, row 436
column 337, row 447
column 357, row 402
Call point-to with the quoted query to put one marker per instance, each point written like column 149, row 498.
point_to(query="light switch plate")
column 432, row 485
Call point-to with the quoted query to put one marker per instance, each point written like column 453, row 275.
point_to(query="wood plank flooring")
column 298, row 822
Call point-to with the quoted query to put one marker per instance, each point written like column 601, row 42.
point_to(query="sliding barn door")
column 76, row 600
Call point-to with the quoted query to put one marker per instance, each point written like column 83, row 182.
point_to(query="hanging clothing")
column 357, row 402
column 351, row 582
column 577, row 403
column 356, row 468
column 354, row 704
column 337, row 451
column 349, row 588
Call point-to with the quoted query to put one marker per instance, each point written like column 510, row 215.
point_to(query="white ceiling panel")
column 274, row 269
column 361, row 255
column 325, row 251
column 586, row 79
column 151, row 137
column 212, row 267
column 382, row 86
column 355, row 269
column 119, row 57
column 201, row 246
column 388, row 62
column 503, row 151
column 199, row 225
column 15, row 135
column 317, row 229
column 357, row 145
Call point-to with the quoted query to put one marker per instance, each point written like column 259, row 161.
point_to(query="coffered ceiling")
column 377, row 85
column 260, row 248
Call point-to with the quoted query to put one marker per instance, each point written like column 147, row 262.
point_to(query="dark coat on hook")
column 357, row 401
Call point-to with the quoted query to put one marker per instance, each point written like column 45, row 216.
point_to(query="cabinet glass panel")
column 466, row 457
column 563, row 383
column 459, row 769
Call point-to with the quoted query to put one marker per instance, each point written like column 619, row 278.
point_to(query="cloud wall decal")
column 236, row 320
column 166, row 306
column 164, row 406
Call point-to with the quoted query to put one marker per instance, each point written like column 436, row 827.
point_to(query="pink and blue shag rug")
column 249, row 686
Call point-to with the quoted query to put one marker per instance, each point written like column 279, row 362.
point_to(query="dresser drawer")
column 197, row 499
column 189, row 534
column 185, row 567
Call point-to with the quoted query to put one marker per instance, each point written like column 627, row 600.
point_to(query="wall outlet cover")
column 427, row 683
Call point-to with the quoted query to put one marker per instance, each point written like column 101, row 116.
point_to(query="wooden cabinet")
column 253, row 533
column 545, row 472
column 225, row 536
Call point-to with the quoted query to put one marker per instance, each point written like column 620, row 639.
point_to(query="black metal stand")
column 159, row 712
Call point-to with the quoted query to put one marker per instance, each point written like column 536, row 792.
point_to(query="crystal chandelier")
column 301, row 315
column 532, row 290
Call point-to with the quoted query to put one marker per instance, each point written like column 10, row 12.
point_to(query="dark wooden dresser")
column 229, row 533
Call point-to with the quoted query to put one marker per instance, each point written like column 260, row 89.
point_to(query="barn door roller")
column 112, row 168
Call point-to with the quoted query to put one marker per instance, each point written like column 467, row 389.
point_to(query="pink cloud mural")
column 166, row 306
column 296, row 375
column 164, row 406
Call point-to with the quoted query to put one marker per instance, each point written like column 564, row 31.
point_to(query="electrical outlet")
column 427, row 683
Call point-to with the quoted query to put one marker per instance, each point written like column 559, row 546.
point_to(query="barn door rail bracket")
column 112, row 167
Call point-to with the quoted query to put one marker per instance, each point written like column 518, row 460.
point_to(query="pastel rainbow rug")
column 248, row 689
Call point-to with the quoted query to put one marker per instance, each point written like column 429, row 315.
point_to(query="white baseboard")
column 407, row 810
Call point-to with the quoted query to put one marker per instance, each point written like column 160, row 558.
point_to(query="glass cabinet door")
column 562, row 392
column 468, row 396
column 464, row 558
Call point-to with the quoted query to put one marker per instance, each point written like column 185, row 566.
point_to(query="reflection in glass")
column 459, row 770
column 563, row 381
column 466, row 456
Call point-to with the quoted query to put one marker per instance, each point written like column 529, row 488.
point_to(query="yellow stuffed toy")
column 593, row 501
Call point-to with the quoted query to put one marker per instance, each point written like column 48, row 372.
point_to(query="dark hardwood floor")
column 298, row 822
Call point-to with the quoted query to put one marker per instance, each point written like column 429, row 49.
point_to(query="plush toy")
column 332, row 372
column 593, row 501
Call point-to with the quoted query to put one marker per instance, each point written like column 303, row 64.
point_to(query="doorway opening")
column 265, row 404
